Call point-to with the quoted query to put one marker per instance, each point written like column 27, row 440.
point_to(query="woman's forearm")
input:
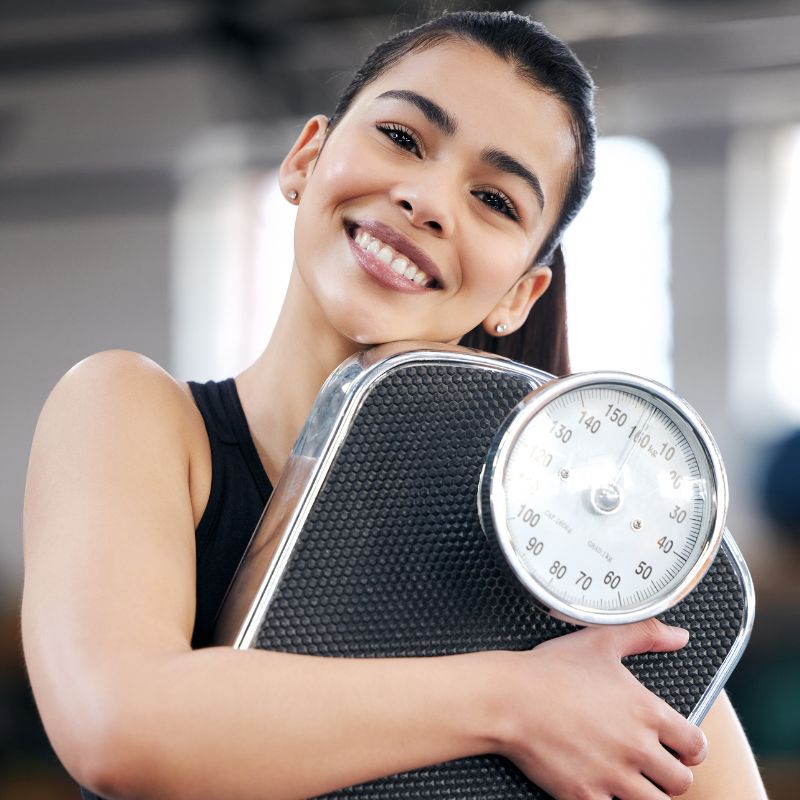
column 225, row 723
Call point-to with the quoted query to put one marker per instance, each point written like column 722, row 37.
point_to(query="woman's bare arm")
column 108, row 611
column 730, row 770
column 132, row 711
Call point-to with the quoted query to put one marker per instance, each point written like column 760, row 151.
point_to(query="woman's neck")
column 279, row 388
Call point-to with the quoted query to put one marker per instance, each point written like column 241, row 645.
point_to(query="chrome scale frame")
column 341, row 397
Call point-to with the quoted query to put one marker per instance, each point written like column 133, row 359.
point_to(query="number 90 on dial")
column 606, row 495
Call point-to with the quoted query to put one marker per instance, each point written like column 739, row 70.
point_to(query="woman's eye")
column 497, row 201
column 402, row 137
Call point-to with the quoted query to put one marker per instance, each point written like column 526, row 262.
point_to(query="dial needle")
column 632, row 442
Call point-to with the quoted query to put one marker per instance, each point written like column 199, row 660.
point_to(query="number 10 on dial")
column 606, row 496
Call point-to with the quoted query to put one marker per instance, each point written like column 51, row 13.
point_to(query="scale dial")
column 606, row 495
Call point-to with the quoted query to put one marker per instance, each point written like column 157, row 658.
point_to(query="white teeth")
column 398, row 264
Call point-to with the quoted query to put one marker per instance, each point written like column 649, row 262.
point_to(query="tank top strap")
column 239, row 491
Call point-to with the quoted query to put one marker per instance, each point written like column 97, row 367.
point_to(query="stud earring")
column 292, row 195
column 501, row 327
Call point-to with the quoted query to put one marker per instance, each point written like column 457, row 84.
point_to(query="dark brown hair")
column 548, row 64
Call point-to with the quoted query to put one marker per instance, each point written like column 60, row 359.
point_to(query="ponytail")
column 541, row 342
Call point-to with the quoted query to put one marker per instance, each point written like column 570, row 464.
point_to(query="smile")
column 399, row 264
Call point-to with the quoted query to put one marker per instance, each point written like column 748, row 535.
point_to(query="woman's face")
column 450, row 163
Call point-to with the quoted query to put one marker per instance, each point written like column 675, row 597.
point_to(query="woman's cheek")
column 349, row 175
column 496, row 274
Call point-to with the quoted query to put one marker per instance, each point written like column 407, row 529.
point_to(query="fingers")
column 687, row 741
column 667, row 773
column 648, row 636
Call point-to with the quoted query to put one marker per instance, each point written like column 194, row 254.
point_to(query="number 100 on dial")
column 606, row 496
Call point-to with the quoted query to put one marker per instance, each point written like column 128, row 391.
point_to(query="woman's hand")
column 583, row 727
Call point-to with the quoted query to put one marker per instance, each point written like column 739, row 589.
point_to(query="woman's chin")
column 361, row 328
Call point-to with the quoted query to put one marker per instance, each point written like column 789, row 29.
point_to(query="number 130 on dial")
column 606, row 495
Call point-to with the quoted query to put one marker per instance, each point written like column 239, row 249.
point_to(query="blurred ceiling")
column 96, row 94
column 294, row 46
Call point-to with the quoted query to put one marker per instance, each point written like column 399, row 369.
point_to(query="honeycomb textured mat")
column 392, row 561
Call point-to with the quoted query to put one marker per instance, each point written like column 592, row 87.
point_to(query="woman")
column 431, row 204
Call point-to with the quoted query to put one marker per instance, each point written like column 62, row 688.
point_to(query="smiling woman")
column 430, row 205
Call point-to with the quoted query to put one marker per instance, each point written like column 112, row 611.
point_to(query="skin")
column 120, row 472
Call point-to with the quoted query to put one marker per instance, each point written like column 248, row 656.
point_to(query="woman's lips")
column 382, row 273
column 390, row 258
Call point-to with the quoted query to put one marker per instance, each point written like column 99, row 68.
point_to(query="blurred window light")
column 618, row 265
column 231, row 262
column 272, row 258
column 784, row 374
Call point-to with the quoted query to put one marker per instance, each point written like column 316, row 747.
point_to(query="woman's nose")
column 426, row 207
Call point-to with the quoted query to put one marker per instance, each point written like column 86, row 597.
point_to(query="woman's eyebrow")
column 501, row 160
column 433, row 112
column 492, row 156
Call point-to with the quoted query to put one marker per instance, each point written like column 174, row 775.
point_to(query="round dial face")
column 607, row 497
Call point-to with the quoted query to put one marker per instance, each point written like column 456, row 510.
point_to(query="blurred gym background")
column 138, row 147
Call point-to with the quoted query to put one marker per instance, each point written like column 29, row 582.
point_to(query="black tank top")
column 239, row 491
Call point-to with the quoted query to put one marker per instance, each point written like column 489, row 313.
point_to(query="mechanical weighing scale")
column 440, row 501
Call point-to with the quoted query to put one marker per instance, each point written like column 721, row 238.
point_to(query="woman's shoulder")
column 124, row 395
column 127, row 387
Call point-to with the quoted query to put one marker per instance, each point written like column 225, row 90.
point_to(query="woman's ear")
column 513, row 309
column 299, row 163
